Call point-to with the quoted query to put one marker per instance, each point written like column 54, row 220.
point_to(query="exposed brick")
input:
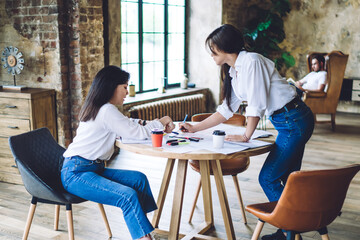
column 53, row 10
column 53, row 44
column 16, row 3
column 34, row 11
column 50, row 35
column 49, row 18
column 74, row 44
column 26, row 3
column 44, row 10
column 36, row 2
column 49, row 2
column 15, row 11
column 83, row 18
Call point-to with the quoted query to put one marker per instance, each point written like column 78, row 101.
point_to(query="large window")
column 153, row 42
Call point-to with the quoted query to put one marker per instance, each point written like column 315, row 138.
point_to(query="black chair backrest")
column 38, row 152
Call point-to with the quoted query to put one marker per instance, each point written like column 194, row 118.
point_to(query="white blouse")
column 95, row 138
column 256, row 80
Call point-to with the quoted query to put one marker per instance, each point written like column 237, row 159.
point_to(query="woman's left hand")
column 235, row 138
column 167, row 123
column 169, row 127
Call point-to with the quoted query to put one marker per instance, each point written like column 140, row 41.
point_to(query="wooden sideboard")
column 23, row 111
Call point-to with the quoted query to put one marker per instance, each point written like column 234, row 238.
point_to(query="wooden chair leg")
column 333, row 121
column 195, row 200
column 56, row 217
column 237, row 188
column 325, row 237
column 70, row 223
column 258, row 229
column 29, row 218
column 103, row 214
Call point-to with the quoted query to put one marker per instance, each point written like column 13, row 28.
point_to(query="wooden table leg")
column 163, row 190
column 206, row 189
column 220, row 186
column 178, row 199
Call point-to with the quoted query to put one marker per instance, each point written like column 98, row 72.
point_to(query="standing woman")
column 84, row 174
column 253, row 78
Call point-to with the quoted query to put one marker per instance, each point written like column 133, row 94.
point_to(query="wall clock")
column 12, row 60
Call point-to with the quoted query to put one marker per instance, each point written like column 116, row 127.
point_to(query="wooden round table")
column 206, row 158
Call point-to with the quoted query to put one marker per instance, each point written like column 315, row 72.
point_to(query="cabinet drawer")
column 8, row 165
column 356, row 85
column 355, row 96
column 5, row 148
column 15, row 107
column 13, row 126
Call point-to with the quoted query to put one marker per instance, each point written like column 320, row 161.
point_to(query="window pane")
column 153, row 72
column 176, row 2
column 153, row 18
column 175, row 71
column 153, row 47
column 133, row 69
column 129, row 48
column 176, row 19
column 129, row 17
column 154, row 1
column 176, row 46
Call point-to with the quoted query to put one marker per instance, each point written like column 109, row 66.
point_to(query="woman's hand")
column 186, row 127
column 167, row 123
column 236, row 138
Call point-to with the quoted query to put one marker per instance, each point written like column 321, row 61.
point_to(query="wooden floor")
column 326, row 149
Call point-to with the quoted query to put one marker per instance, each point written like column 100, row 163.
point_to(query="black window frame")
column 166, row 35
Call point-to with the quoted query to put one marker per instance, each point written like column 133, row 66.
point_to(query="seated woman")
column 84, row 173
column 315, row 81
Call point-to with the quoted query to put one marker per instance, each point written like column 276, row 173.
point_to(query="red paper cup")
column 157, row 137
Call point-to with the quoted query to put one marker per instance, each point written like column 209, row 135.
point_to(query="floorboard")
column 326, row 149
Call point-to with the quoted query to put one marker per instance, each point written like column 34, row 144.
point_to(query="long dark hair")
column 228, row 39
column 101, row 91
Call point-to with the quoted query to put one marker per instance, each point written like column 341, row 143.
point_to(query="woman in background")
column 84, row 174
column 253, row 78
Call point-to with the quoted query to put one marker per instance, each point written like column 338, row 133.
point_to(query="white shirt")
column 95, row 138
column 256, row 80
column 314, row 80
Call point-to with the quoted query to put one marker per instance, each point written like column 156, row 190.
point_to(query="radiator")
column 176, row 108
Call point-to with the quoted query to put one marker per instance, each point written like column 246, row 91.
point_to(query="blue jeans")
column 295, row 128
column 126, row 189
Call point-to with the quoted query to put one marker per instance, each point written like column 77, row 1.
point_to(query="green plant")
column 266, row 30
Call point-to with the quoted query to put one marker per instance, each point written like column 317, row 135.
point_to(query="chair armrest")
column 314, row 95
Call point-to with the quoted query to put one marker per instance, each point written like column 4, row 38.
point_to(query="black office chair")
column 39, row 160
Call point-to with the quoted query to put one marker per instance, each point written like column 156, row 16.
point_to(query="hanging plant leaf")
column 265, row 31
column 288, row 59
column 264, row 25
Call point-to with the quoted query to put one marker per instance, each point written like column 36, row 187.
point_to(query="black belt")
column 290, row 105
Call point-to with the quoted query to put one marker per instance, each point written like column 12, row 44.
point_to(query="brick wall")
column 63, row 47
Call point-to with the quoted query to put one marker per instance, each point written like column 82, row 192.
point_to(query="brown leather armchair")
column 307, row 202
column 228, row 166
column 326, row 102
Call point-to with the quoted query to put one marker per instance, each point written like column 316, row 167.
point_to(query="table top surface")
column 195, row 155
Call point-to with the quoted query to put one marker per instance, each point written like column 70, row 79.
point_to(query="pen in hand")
column 182, row 128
